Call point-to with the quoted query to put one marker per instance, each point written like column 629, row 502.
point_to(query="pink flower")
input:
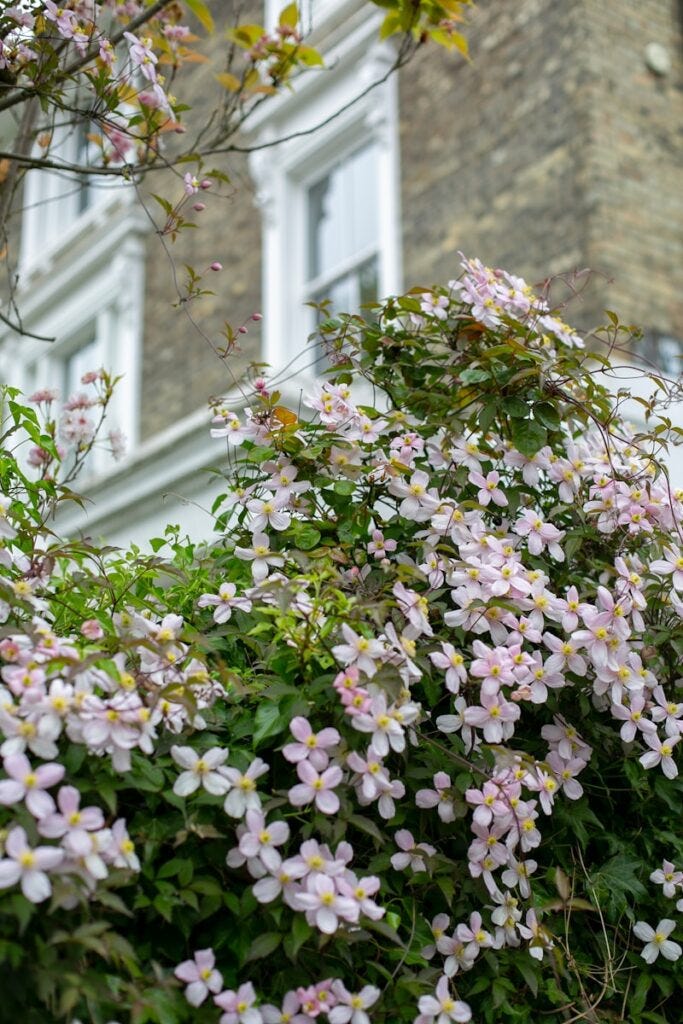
column 454, row 664
column 495, row 716
column 28, row 866
column 325, row 906
column 268, row 511
column 317, row 788
column 190, row 184
column 488, row 488
column 352, row 1007
column 671, row 564
column 239, row 1006
column 72, row 822
column 200, row 975
column 224, row 602
column 92, row 629
column 29, row 785
column 140, row 51
column 310, row 745
column 668, row 878
column 439, row 797
column 287, row 1014
column 358, row 651
column 260, row 556
column 260, row 839
column 122, row 847
column 411, row 854
column 442, row 1008
column 539, row 535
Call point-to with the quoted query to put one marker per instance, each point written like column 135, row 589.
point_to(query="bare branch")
column 20, row 329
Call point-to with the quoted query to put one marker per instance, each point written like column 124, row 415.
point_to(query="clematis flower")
column 657, row 940
column 239, row 1006
column 260, row 839
column 72, row 822
column 668, row 878
column 411, row 854
column 224, row 602
column 488, row 488
column 260, row 556
column 441, row 1008
column 28, row 784
column 352, row 1006
column 439, row 797
column 316, row 788
column 358, row 650
column 325, row 906
column 200, row 975
column 28, row 866
column 201, row 770
column 660, row 754
column 310, row 746
column 243, row 796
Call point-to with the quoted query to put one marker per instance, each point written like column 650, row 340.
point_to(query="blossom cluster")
column 371, row 711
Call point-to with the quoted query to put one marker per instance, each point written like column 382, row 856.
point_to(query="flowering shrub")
column 407, row 735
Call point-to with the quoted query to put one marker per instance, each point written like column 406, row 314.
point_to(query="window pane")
column 86, row 357
column 368, row 282
column 342, row 212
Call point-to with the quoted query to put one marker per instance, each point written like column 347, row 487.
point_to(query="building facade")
column 555, row 149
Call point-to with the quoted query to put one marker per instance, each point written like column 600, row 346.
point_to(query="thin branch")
column 20, row 329
column 404, row 55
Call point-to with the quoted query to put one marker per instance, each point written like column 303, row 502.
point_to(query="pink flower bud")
column 256, row 317
column 206, row 183
column 242, row 330
column 92, row 629
column 216, row 266
column 199, row 207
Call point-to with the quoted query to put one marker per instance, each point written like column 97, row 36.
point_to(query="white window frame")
column 103, row 282
column 316, row 15
column 51, row 220
column 284, row 172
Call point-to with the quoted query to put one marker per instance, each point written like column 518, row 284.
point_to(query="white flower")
column 657, row 940
column 28, row 866
column 200, row 771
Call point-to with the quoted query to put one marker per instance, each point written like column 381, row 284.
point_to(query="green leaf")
column 201, row 13
column 268, row 722
column 514, row 406
column 529, row 975
column 263, row 945
column 368, row 826
column 528, row 436
column 290, row 15
column 306, row 536
column 301, row 932
column 547, row 414
column 474, row 376
column 344, row 487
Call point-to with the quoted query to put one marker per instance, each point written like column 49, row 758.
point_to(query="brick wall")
column 554, row 149
column 180, row 367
